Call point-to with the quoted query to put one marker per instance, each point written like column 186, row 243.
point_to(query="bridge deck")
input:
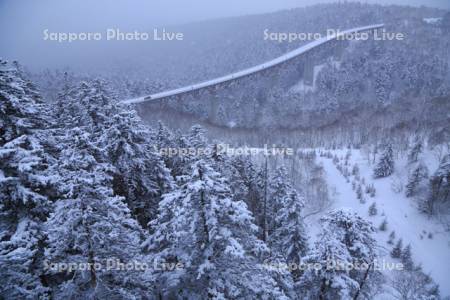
column 258, row 68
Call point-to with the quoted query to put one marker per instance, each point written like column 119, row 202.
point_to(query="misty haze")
column 225, row 150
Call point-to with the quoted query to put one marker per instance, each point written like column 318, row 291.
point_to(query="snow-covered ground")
column 301, row 86
column 430, row 243
column 432, row 20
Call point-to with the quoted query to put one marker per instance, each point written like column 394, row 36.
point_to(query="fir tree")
column 140, row 174
column 397, row 250
column 406, row 258
column 213, row 236
column 197, row 137
column 164, row 141
column 21, row 107
column 277, row 190
column 64, row 99
column 383, row 225
column 385, row 165
column 370, row 189
column 289, row 237
column 345, row 238
column 439, row 187
column 373, row 211
column 359, row 193
column 89, row 105
column 391, row 238
column 355, row 170
column 227, row 167
column 263, row 217
column 90, row 226
column 417, row 180
column 249, row 176
column 335, row 159
column 415, row 151
column 25, row 187
column 195, row 142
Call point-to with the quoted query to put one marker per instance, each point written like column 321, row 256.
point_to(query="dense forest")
column 83, row 182
column 94, row 206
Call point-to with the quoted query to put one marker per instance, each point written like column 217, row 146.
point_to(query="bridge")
column 252, row 86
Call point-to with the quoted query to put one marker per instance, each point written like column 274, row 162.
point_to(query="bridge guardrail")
column 252, row 70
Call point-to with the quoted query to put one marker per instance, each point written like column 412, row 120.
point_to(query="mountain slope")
column 429, row 242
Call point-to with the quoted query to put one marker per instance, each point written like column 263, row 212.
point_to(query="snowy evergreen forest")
column 92, row 208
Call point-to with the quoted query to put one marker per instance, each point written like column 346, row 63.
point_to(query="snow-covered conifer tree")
column 439, row 187
column 289, row 236
column 383, row 225
column 415, row 151
column 90, row 227
column 89, row 105
column 373, row 211
column 417, row 180
column 385, row 165
column 24, row 186
column 397, row 250
column 140, row 173
column 345, row 238
column 213, row 236
column 391, row 238
column 406, row 258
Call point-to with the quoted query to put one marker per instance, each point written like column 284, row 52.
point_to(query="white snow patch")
column 302, row 87
column 401, row 213
column 432, row 21
column 231, row 124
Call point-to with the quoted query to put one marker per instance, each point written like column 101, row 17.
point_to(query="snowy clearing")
column 430, row 243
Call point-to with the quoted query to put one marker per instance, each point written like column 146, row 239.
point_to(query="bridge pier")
column 308, row 71
column 214, row 103
column 250, row 89
column 339, row 49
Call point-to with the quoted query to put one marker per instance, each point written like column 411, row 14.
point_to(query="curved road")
column 252, row 70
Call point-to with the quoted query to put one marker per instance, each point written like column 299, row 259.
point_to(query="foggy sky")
column 22, row 21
